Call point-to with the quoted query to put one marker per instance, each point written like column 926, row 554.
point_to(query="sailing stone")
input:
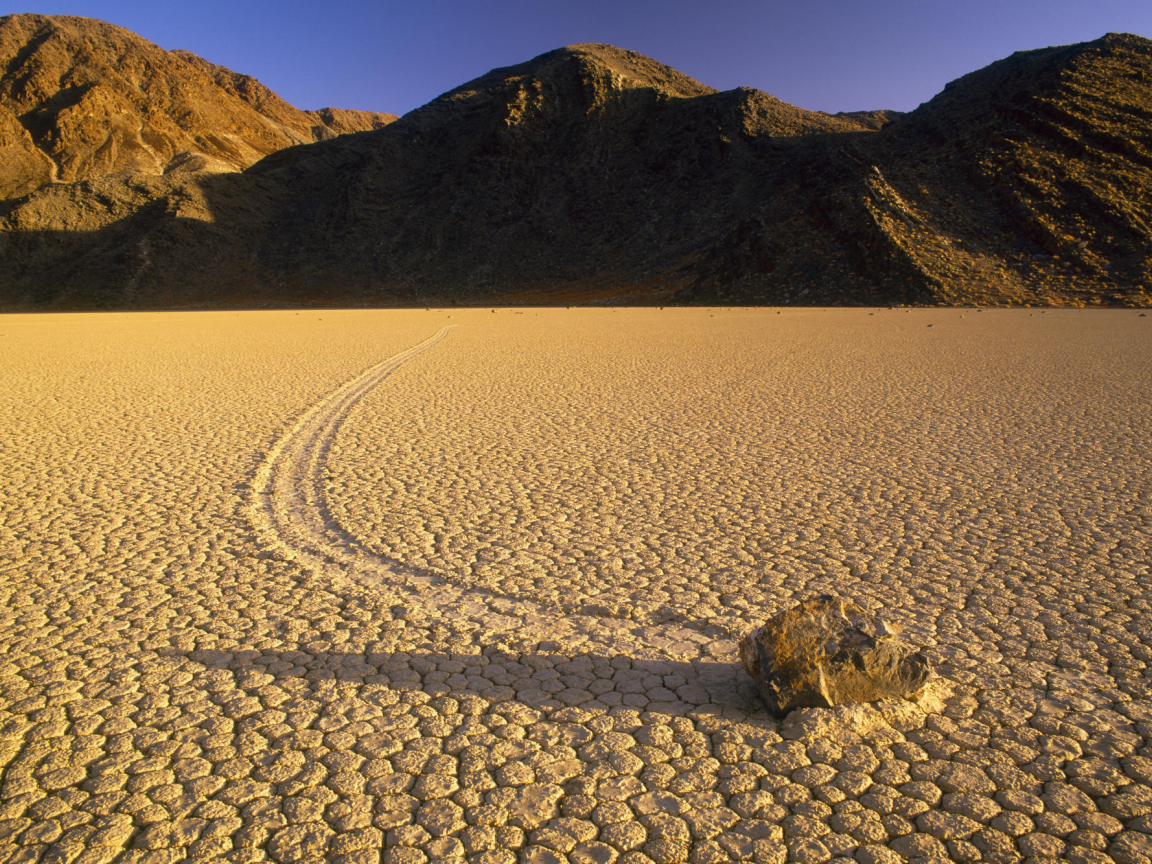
column 827, row 652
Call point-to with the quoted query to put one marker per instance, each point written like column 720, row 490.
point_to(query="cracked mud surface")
column 275, row 587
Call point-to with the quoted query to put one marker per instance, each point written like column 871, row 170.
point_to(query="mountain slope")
column 81, row 99
column 596, row 174
column 585, row 167
column 1055, row 149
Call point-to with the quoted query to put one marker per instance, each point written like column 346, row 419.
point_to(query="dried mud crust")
column 291, row 513
column 175, row 687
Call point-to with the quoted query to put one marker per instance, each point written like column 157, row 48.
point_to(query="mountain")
column 1034, row 177
column 82, row 99
column 594, row 174
column 582, row 170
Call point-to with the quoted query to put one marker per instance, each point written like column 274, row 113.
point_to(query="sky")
column 825, row 55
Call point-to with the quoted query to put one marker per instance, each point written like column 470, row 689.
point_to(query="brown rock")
column 827, row 652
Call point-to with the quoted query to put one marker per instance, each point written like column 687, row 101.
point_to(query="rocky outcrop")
column 827, row 652
column 82, row 99
column 343, row 121
column 594, row 174
column 321, row 125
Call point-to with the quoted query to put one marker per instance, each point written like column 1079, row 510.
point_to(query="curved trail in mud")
column 291, row 515
column 289, row 509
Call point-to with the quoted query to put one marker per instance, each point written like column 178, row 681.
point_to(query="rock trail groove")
column 291, row 514
column 288, row 507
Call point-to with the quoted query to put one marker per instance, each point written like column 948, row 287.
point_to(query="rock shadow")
column 543, row 680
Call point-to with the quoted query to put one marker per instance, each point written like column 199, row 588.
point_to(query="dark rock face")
column 827, row 652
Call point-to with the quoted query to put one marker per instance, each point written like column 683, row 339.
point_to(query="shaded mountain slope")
column 81, row 99
column 586, row 165
column 1055, row 150
column 596, row 174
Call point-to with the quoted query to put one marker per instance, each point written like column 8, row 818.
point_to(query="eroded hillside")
column 594, row 174
column 82, row 99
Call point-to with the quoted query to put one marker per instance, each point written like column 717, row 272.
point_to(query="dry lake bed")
column 439, row 585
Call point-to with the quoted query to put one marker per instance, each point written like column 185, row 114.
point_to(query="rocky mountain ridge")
column 82, row 99
column 594, row 174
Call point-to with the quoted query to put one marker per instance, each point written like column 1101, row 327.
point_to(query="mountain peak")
column 623, row 69
column 82, row 99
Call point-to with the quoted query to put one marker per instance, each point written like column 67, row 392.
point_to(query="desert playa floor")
column 350, row 586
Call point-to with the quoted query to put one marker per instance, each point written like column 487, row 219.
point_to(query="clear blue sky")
column 829, row 55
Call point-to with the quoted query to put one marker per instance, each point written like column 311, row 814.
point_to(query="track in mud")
column 290, row 512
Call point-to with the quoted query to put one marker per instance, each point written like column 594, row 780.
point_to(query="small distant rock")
column 827, row 652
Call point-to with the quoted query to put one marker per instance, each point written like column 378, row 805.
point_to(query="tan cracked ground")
column 482, row 603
